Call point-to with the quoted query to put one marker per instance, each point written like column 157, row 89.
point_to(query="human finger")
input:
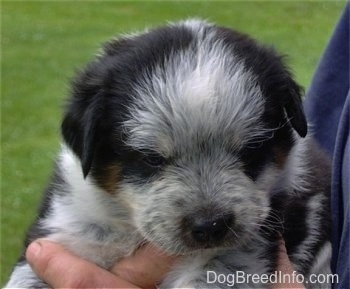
column 61, row 269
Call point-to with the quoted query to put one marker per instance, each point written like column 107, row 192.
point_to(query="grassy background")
column 44, row 42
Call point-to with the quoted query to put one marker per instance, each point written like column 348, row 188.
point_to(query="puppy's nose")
column 211, row 230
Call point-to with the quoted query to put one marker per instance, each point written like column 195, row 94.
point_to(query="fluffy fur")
column 191, row 137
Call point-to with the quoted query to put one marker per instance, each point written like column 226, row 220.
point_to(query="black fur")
column 274, row 78
column 101, row 93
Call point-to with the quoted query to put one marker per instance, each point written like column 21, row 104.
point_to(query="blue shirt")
column 327, row 107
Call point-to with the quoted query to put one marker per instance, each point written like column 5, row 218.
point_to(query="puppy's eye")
column 154, row 160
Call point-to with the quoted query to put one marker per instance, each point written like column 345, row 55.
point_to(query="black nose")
column 215, row 229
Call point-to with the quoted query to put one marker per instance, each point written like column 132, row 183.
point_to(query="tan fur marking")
column 110, row 178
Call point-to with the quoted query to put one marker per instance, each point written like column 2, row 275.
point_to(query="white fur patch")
column 23, row 277
column 88, row 212
column 314, row 218
column 297, row 172
column 321, row 264
column 204, row 88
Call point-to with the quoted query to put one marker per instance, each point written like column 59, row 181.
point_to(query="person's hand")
column 284, row 266
column 61, row 269
column 144, row 269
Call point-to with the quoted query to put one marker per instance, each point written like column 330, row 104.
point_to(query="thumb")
column 60, row 269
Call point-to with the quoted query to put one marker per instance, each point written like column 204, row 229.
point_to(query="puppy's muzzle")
column 208, row 231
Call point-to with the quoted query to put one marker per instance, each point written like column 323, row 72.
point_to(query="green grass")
column 44, row 42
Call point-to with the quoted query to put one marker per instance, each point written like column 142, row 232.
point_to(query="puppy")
column 191, row 137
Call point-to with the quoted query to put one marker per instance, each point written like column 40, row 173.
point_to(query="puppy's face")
column 190, row 125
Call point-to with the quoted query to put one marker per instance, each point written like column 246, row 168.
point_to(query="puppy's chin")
column 213, row 246
column 189, row 249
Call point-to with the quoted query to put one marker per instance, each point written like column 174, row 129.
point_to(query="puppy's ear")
column 293, row 107
column 81, row 122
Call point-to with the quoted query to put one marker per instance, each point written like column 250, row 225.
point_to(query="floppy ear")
column 293, row 107
column 80, row 126
column 86, row 124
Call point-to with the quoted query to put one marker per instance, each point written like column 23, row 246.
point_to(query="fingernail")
column 33, row 250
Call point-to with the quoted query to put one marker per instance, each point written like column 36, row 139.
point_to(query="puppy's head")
column 190, row 124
